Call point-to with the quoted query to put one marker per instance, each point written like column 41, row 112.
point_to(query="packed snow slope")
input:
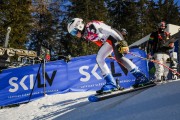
column 161, row 102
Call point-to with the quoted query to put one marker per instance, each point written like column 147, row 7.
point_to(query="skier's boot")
column 110, row 85
column 141, row 79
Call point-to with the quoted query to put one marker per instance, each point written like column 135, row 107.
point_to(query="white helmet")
column 75, row 25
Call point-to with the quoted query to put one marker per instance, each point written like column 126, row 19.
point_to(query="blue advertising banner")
column 80, row 74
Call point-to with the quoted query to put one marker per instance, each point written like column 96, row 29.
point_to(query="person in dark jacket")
column 158, row 48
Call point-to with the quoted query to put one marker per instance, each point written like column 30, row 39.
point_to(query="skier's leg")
column 103, row 52
column 140, row 77
column 109, row 86
column 166, row 71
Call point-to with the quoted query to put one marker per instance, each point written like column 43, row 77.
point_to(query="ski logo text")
column 29, row 79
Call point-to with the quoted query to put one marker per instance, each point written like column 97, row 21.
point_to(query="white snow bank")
column 156, row 103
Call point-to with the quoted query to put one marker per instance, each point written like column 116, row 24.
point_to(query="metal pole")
column 7, row 37
column 44, row 77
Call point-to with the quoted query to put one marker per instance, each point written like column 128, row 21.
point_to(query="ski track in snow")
column 161, row 102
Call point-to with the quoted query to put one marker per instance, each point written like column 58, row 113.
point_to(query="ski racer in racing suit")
column 109, row 40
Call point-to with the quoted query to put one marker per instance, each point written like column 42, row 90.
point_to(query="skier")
column 160, row 52
column 109, row 40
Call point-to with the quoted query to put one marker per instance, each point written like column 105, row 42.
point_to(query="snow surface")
column 161, row 102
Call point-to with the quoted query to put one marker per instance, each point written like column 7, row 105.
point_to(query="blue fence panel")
column 80, row 74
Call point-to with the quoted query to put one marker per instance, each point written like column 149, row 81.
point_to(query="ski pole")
column 113, row 58
column 34, row 82
column 123, row 67
column 155, row 61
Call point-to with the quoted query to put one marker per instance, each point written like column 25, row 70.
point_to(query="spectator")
column 158, row 48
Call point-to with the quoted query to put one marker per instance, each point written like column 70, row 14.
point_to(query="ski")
column 104, row 96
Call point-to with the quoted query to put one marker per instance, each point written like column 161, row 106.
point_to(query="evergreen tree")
column 145, row 25
column 168, row 11
column 124, row 14
column 44, row 25
column 61, row 47
column 45, row 21
column 15, row 14
column 141, row 17
column 87, row 10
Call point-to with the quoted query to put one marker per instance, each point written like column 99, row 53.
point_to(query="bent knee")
column 99, row 59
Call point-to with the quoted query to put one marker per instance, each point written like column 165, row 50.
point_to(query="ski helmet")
column 124, row 31
column 75, row 25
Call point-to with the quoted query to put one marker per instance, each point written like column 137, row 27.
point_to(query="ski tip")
column 93, row 98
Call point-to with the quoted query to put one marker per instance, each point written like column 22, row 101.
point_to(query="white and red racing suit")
column 108, row 39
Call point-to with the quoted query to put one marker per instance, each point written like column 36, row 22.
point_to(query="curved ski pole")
column 155, row 61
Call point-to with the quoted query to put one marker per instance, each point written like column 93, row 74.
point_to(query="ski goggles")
column 74, row 32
